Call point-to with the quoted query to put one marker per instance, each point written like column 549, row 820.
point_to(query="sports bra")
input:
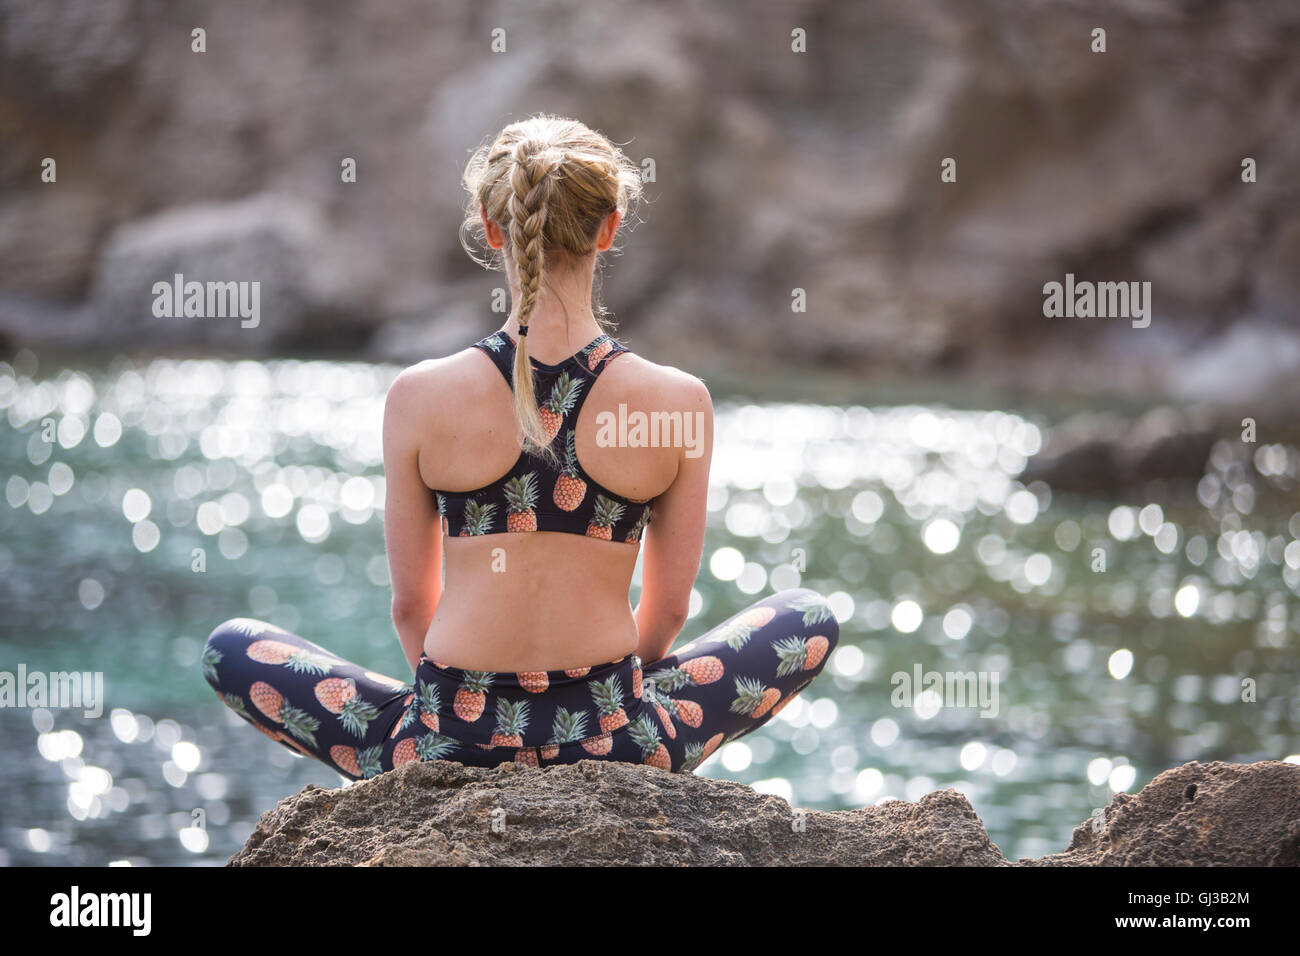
column 532, row 495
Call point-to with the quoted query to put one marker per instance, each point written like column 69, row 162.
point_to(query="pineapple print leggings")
column 671, row 714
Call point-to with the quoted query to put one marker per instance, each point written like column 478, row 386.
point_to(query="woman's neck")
column 553, row 335
column 562, row 321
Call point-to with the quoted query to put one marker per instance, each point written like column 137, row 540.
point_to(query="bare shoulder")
column 667, row 385
column 438, row 383
column 430, row 401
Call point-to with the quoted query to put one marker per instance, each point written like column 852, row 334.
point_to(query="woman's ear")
column 608, row 229
column 495, row 237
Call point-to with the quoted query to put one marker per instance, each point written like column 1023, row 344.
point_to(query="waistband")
column 530, row 708
column 528, row 680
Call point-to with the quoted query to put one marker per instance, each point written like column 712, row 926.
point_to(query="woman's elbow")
column 668, row 624
column 409, row 614
column 675, row 619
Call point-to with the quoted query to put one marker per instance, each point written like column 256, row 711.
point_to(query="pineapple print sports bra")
column 533, row 496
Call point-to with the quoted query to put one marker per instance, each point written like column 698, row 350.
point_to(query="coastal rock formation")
column 1167, row 451
column 1212, row 814
column 596, row 813
column 1096, row 453
column 817, row 171
column 278, row 244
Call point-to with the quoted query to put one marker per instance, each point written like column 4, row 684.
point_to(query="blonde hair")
column 549, row 183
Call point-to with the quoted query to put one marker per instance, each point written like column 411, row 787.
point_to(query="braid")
column 549, row 183
column 531, row 187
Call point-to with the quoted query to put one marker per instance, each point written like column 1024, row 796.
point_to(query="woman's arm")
column 412, row 527
column 674, row 539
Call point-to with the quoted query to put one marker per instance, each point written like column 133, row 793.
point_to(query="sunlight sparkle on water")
column 1122, row 524
column 927, row 704
column 941, row 536
column 1038, row 568
column 884, row 732
column 957, row 622
column 1098, row 770
column 1187, row 600
column 59, row 745
column 847, row 661
column 736, row 756
column 124, row 725
column 972, row 755
column 136, row 505
column 906, row 616
column 1022, row 507
column 194, row 839
column 726, row 564
column 1120, row 663
column 90, row 593
column 1122, row 777
column 1003, row 762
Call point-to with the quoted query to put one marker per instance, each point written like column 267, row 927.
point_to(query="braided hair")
column 549, row 183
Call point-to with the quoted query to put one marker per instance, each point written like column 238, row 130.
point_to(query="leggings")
column 670, row 714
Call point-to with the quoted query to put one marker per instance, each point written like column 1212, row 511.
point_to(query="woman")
column 500, row 476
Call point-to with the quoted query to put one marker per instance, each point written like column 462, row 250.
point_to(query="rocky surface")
column 596, row 813
column 817, row 171
column 1168, row 453
column 275, row 242
column 1212, row 814
column 1101, row 453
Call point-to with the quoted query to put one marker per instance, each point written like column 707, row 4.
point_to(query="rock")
column 817, row 172
column 1211, row 814
column 79, row 48
column 1095, row 453
column 271, row 240
column 595, row 813
column 1242, row 365
column 434, row 321
column 1080, row 454
column 1167, row 444
column 25, row 319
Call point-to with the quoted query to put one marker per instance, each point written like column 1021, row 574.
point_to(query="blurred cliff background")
column 950, row 461
column 774, row 171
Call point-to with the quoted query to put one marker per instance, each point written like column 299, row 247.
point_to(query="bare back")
column 542, row 600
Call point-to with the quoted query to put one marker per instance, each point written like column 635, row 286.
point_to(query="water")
column 145, row 502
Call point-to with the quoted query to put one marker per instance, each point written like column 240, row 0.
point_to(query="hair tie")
column 523, row 330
